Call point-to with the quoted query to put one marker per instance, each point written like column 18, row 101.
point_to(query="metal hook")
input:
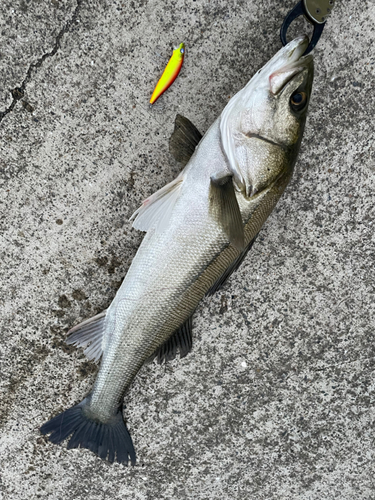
column 315, row 11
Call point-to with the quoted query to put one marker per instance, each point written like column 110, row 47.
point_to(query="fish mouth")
column 289, row 62
column 295, row 49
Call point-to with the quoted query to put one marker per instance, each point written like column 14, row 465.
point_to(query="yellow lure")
column 170, row 73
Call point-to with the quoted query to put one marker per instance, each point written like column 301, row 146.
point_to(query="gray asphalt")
column 276, row 400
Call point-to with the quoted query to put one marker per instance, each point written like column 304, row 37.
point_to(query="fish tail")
column 110, row 440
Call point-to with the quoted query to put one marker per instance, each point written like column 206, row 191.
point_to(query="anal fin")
column 181, row 340
column 184, row 139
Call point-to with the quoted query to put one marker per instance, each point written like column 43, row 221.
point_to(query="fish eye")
column 182, row 51
column 298, row 101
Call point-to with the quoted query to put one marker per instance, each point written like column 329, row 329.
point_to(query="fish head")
column 262, row 125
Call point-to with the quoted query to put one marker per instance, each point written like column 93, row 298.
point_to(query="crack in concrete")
column 19, row 92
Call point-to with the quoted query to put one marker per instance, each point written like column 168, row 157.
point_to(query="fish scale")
column 199, row 228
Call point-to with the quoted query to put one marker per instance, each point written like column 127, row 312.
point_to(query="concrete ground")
column 276, row 400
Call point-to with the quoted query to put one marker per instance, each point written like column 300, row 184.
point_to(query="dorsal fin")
column 156, row 210
column 231, row 269
column 89, row 335
column 184, row 139
column 181, row 340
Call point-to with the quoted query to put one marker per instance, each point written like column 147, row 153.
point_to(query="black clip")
column 313, row 17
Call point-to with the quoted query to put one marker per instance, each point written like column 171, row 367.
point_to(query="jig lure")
column 170, row 73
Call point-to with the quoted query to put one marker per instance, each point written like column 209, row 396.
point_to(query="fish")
column 170, row 73
column 199, row 228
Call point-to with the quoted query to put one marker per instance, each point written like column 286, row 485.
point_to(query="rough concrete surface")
column 276, row 400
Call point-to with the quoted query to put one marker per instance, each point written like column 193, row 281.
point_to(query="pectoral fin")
column 231, row 269
column 224, row 208
column 184, row 139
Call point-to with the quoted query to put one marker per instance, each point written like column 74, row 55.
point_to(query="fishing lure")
column 170, row 73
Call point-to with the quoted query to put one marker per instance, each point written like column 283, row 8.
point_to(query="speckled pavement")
column 276, row 400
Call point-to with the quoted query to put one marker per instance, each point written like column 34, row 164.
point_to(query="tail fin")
column 110, row 440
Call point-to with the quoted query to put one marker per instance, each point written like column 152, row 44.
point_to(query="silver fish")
column 199, row 228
